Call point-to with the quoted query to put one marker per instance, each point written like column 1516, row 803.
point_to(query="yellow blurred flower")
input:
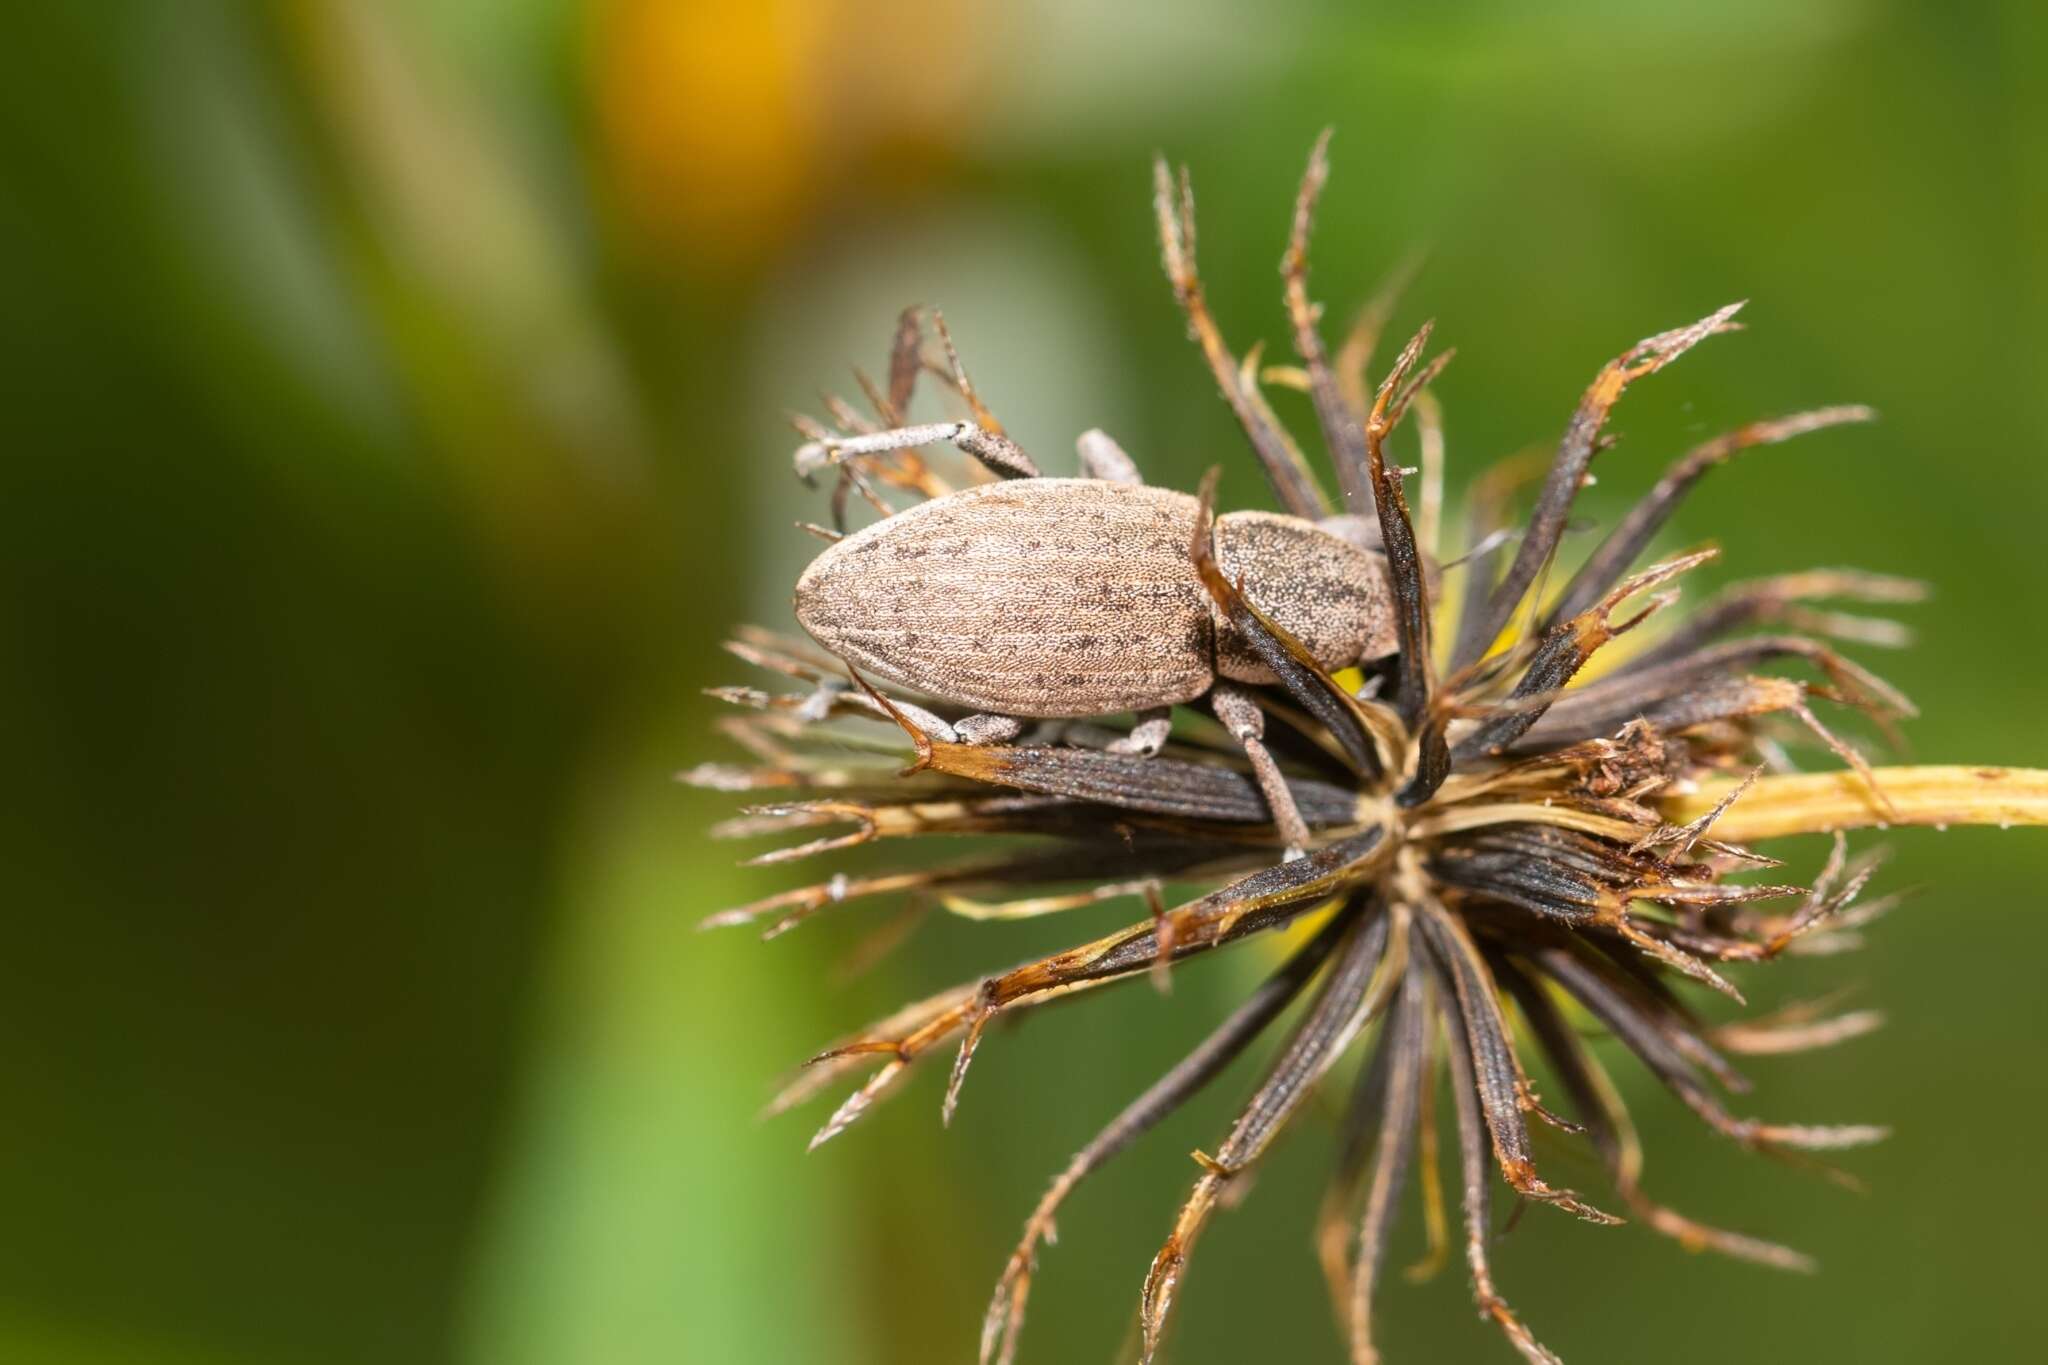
column 725, row 122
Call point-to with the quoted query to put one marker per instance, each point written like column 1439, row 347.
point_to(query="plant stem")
column 1816, row 803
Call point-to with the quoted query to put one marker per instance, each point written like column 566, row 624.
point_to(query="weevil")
column 1036, row 598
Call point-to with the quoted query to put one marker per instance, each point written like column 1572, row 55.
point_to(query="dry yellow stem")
column 1453, row 819
column 1816, row 803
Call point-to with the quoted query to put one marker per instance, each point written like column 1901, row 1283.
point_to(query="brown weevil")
column 1056, row 598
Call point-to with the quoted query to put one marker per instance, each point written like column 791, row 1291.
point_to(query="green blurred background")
column 393, row 403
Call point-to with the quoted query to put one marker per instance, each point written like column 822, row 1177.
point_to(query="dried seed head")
column 1496, row 835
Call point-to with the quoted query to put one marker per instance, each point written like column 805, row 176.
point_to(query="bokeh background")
column 393, row 410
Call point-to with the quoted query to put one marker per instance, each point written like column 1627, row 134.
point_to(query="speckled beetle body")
column 1076, row 597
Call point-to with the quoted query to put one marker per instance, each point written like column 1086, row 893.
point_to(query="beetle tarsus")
column 987, row 729
column 1102, row 458
column 1148, row 736
column 818, row 705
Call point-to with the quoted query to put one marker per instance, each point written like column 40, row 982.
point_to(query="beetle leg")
column 1102, row 458
column 1240, row 714
column 819, row 703
column 1148, row 736
column 987, row 729
column 999, row 453
column 1359, row 532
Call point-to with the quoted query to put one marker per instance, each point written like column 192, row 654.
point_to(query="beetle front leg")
column 1001, row 455
column 1239, row 711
